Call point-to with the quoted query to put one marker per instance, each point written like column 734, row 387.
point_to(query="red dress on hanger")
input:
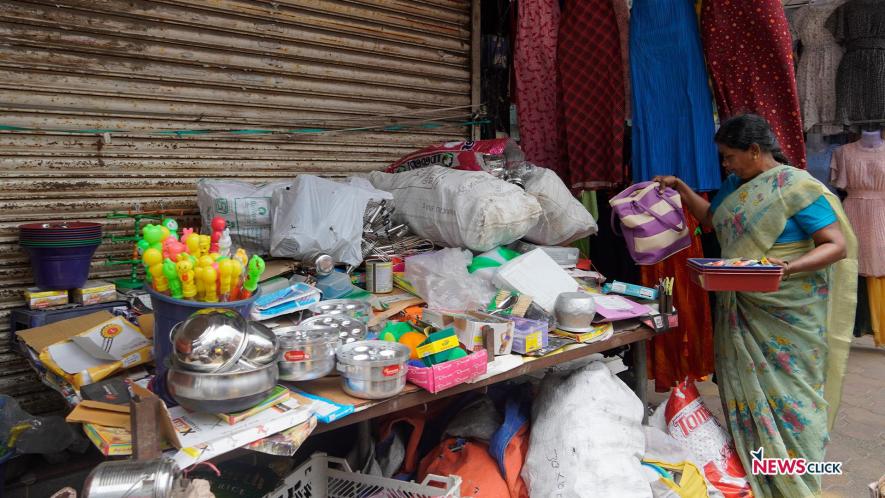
column 749, row 52
column 591, row 76
column 688, row 350
column 534, row 62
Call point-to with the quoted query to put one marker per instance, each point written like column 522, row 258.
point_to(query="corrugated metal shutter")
column 194, row 64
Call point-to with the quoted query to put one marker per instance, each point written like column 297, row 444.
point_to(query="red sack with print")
column 691, row 423
column 472, row 155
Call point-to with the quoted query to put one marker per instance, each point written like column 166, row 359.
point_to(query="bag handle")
column 656, row 216
column 671, row 226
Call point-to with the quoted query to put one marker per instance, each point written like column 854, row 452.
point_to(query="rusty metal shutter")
column 142, row 65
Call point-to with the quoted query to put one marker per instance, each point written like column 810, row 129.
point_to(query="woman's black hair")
column 740, row 132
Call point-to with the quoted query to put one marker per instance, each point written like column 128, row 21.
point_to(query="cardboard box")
column 529, row 335
column 472, row 326
column 449, row 374
column 57, row 351
column 95, row 292
column 111, row 441
column 38, row 299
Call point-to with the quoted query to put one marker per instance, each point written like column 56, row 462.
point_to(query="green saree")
column 781, row 356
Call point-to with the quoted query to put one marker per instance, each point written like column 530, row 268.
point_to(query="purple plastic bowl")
column 58, row 268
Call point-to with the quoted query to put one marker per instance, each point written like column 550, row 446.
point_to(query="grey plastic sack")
column 468, row 209
column 563, row 218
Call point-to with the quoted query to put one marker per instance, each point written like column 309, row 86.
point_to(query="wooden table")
column 635, row 338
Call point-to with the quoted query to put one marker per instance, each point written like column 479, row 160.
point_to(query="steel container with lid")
column 306, row 353
column 210, row 340
column 151, row 479
column 351, row 307
column 373, row 369
column 347, row 328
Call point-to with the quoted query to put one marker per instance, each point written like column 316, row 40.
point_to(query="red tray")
column 737, row 281
column 701, row 264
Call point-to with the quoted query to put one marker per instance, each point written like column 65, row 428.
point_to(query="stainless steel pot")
column 261, row 345
column 306, row 354
column 346, row 328
column 221, row 392
column 373, row 369
column 575, row 311
column 351, row 307
column 151, row 479
column 210, row 340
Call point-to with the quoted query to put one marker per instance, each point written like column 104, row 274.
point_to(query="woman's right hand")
column 666, row 181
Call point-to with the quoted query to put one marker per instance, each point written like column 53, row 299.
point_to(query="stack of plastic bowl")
column 60, row 252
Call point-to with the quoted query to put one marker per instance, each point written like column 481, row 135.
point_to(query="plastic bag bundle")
column 244, row 206
column 441, row 279
column 318, row 215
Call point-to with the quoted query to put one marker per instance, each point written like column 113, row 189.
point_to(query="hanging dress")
column 749, row 52
column 860, row 85
column 534, row 60
column 818, row 62
column 591, row 78
column 672, row 107
column 860, row 171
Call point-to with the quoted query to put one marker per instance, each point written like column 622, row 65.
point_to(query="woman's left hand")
column 780, row 262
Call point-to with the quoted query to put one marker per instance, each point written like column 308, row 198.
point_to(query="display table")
column 635, row 338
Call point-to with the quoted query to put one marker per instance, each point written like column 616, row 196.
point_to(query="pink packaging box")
column 449, row 374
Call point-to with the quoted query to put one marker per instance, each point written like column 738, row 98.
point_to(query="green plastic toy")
column 254, row 271
column 170, row 271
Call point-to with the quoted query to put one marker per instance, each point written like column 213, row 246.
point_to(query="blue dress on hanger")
column 672, row 105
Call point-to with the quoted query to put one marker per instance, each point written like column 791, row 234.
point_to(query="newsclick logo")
column 791, row 466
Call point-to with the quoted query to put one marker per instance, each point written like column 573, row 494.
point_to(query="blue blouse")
column 817, row 215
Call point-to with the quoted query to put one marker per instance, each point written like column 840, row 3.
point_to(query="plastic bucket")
column 168, row 311
column 59, row 268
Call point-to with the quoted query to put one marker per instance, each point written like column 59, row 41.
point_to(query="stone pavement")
column 858, row 439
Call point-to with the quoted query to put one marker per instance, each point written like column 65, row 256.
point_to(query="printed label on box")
column 532, row 342
column 439, row 346
column 390, row 370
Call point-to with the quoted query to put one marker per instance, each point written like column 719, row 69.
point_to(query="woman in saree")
column 780, row 356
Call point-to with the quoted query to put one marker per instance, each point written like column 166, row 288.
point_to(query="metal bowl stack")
column 221, row 362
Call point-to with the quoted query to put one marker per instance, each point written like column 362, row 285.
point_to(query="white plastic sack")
column 470, row 209
column 563, row 218
column 315, row 214
column 587, row 438
column 441, row 279
column 245, row 207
